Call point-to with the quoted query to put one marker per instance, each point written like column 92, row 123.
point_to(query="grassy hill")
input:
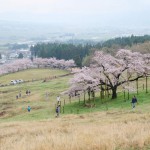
column 31, row 74
column 111, row 124
column 42, row 104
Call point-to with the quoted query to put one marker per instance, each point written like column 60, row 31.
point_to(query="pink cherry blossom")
column 111, row 71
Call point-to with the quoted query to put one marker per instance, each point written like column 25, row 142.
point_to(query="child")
column 29, row 108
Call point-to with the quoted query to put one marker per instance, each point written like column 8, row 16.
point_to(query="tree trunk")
column 84, row 97
column 114, row 92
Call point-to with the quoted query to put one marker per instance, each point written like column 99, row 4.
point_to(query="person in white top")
column 58, row 99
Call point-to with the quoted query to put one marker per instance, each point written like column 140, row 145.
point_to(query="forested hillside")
column 61, row 51
column 80, row 53
column 125, row 41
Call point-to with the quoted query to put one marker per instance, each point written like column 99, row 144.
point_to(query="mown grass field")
column 31, row 74
column 110, row 125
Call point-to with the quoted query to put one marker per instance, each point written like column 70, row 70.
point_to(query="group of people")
column 133, row 102
column 28, row 92
column 29, row 108
column 57, row 108
column 19, row 95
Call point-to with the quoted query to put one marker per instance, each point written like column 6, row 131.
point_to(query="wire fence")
column 143, row 86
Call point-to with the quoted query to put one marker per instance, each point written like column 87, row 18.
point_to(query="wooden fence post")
column 79, row 99
column 137, row 86
column 124, row 95
column 105, row 87
column 101, row 92
column 128, row 94
column 60, row 106
column 70, row 99
column 63, row 109
column 64, row 102
column 55, row 107
column 84, row 97
column 146, row 85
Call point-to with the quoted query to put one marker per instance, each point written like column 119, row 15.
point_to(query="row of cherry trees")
column 110, row 71
column 22, row 64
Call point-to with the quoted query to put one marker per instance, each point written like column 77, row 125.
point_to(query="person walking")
column 134, row 101
column 29, row 92
column 26, row 92
column 29, row 108
column 20, row 94
column 16, row 96
column 57, row 111
column 58, row 100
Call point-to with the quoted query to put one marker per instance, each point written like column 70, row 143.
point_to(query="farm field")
column 111, row 124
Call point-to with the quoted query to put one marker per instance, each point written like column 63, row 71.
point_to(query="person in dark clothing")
column 29, row 92
column 16, row 96
column 134, row 101
column 26, row 92
column 57, row 110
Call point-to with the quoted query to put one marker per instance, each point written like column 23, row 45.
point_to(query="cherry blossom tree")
column 111, row 71
column 17, row 65
column 22, row 64
column 53, row 63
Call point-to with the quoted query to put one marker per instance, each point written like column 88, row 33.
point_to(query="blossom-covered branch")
column 111, row 71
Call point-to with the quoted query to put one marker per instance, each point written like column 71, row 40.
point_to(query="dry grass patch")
column 77, row 132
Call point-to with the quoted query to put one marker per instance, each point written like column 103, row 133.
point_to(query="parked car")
column 19, row 81
column 13, row 82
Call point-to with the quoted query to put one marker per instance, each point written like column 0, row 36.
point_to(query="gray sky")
column 91, row 12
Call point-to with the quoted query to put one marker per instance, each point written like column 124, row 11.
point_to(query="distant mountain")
column 11, row 32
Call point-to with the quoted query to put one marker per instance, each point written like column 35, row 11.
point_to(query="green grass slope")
column 43, row 97
column 42, row 104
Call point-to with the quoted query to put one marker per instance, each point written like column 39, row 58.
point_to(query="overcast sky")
column 91, row 12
